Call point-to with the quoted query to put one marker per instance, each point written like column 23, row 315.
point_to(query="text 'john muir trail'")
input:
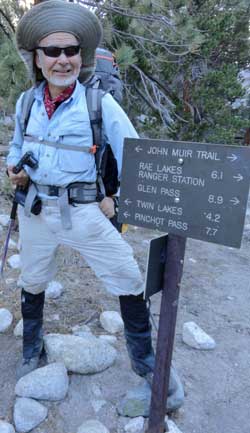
column 183, row 153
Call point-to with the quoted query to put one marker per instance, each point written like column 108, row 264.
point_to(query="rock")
column 18, row 331
column 110, row 339
column 98, row 404
column 92, row 426
column 111, row 321
column 5, row 319
column 5, row 427
column 87, row 335
column 12, row 245
column 195, row 337
column 54, row 290
column 14, row 261
column 46, row 383
column 19, row 244
column 10, row 281
column 82, row 355
column 136, row 402
column 135, row 425
column 172, row 427
column 28, row 414
column 192, row 260
column 4, row 219
column 54, row 317
column 8, row 121
column 82, row 331
column 96, row 390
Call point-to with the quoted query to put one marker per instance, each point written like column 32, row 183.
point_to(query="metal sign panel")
column 155, row 266
column 195, row 190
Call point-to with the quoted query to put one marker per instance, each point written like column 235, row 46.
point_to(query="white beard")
column 60, row 81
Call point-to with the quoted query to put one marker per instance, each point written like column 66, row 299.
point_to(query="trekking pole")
column 27, row 159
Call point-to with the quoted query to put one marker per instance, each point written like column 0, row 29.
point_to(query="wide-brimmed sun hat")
column 58, row 16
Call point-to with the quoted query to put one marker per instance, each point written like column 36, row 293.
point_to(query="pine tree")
column 180, row 61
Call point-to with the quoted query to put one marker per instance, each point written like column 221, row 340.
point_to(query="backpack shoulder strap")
column 94, row 97
column 94, row 103
column 27, row 102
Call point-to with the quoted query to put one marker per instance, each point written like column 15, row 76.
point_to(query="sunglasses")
column 51, row 51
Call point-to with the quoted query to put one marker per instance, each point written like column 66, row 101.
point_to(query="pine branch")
column 5, row 32
column 155, row 97
column 161, row 44
column 125, row 13
column 7, row 19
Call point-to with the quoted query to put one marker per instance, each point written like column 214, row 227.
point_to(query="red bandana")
column 52, row 104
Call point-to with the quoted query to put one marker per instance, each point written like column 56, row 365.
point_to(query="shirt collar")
column 39, row 91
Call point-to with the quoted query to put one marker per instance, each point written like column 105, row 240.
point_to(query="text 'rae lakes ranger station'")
column 192, row 189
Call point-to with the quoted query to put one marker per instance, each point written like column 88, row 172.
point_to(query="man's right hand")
column 20, row 179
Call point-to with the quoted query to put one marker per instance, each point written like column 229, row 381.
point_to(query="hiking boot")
column 175, row 397
column 137, row 330
column 26, row 366
column 32, row 312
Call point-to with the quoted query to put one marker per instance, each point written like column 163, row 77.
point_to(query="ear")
column 37, row 60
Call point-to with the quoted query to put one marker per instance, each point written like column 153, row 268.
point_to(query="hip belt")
column 77, row 192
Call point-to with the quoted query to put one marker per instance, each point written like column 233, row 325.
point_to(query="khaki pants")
column 92, row 234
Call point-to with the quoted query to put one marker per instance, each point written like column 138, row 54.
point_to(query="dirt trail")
column 215, row 293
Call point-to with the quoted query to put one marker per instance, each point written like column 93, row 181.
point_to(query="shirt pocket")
column 72, row 160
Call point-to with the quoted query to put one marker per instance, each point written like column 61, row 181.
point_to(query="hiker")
column 57, row 41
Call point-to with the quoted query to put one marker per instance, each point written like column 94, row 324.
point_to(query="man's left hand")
column 107, row 206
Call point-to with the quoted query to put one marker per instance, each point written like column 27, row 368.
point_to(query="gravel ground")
column 214, row 293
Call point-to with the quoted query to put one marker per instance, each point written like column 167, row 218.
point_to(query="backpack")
column 105, row 80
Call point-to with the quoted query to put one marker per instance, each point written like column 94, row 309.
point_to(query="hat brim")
column 54, row 16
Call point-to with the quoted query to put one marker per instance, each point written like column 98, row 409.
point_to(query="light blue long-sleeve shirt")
column 69, row 125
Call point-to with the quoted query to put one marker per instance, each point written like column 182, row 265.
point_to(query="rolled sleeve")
column 15, row 149
column 117, row 126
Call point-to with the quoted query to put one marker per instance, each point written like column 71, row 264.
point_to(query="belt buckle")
column 53, row 190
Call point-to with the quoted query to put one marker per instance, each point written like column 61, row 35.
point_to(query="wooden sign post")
column 165, row 341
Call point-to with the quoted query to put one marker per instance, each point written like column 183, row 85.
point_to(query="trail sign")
column 189, row 189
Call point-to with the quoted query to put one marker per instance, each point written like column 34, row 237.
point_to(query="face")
column 62, row 71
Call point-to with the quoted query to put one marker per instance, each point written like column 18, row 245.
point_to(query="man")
column 57, row 41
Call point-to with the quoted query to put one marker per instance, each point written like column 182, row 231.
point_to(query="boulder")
column 6, row 319
column 46, row 383
column 82, row 355
column 112, row 322
column 195, row 337
column 28, row 414
column 92, row 426
column 5, row 427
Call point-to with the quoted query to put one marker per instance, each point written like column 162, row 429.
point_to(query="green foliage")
column 10, row 12
column 188, row 57
column 125, row 56
column 179, row 60
column 13, row 76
